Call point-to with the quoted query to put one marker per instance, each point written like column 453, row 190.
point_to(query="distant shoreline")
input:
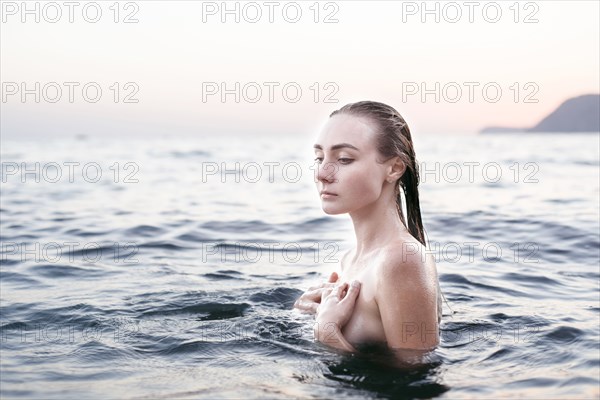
column 575, row 115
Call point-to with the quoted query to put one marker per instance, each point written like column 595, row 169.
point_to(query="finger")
column 316, row 294
column 343, row 290
column 325, row 293
column 312, row 295
column 309, row 307
column 333, row 277
column 321, row 286
column 314, row 308
column 337, row 291
column 353, row 291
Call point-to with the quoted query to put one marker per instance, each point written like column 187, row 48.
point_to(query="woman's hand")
column 333, row 313
column 337, row 304
column 310, row 300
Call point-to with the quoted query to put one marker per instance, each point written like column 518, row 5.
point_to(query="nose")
column 326, row 172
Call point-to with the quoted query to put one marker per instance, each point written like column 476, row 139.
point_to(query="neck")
column 377, row 224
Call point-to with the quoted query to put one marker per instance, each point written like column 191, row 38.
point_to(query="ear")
column 396, row 169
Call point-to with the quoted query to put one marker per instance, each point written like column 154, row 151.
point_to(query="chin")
column 332, row 210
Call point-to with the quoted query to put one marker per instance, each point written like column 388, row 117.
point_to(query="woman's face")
column 347, row 167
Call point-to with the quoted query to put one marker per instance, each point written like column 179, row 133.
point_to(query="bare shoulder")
column 407, row 295
column 407, row 263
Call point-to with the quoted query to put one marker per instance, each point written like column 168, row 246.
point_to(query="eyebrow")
column 337, row 146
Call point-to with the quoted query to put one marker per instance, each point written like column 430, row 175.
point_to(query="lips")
column 325, row 192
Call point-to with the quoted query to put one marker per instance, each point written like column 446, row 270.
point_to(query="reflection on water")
column 370, row 373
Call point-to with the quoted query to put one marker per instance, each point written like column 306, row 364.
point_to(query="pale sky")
column 179, row 51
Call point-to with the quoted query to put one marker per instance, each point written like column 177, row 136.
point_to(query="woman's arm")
column 407, row 300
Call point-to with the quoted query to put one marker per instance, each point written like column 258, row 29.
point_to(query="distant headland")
column 577, row 114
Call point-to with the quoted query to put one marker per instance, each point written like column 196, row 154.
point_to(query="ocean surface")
column 167, row 267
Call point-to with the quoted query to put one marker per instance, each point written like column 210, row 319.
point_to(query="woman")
column 386, row 291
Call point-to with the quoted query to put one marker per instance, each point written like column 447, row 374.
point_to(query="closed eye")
column 344, row 161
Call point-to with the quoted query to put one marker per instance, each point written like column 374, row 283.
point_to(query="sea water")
column 168, row 267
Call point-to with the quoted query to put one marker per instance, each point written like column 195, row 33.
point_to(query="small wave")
column 16, row 277
column 81, row 232
column 55, row 271
column 565, row 334
column 63, row 219
column 144, row 231
column 537, row 279
column 165, row 245
column 280, row 297
column 223, row 275
column 8, row 261
column 504, row 352
column 19, row 237
column 239, row 226
column 96, row 351
column 191, row 237
column 209, row 311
